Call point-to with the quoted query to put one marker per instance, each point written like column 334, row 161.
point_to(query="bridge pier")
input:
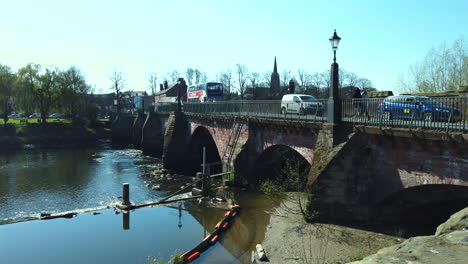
column 152, row 141
column 137, row 129
column 375, row 173
column 176, row 140
column 122, row 129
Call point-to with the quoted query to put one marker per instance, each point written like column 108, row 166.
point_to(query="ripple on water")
column 60, row 180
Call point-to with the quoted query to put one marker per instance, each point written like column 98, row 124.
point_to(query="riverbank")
column 53, row 135
column 291, row 240
column 449, row 245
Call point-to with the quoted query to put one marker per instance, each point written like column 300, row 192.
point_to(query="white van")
column 301, row 104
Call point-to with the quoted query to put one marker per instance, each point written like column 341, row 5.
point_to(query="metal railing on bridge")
column 267, row 109
column 442, row 114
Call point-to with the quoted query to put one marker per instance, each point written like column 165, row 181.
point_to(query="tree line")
column 33, row 88
column 240, row 79
column 443, row 69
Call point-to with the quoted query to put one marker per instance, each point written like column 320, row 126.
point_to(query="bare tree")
column 266, row 77
column 304, row 79
column 286, row 76
column 242, row 76
column 342, row 77
column 316, row 79
column 352, row 79
column 198, row 75
column 203, row 77
column 189, row 72
column 153, row 83
column 442, row 69
column 254, row 78
column 460, row 65
column 226, row 78
column 174, row 75
column 364, row 83
column 118, row 85
column 326, row 79
column 164, row 78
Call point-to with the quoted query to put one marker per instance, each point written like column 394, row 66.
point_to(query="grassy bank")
column 17, row 133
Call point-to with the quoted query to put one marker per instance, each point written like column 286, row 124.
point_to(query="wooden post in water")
column 126, row 194
column 204, row 160
column 126, row 220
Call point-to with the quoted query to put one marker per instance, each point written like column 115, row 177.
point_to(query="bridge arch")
column 279, row 163
column 428, row 205
column 200, row 138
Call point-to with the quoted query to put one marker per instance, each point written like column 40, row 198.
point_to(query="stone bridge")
column 352, row 171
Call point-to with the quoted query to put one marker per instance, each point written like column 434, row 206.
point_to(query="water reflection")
column 247, row 231
column 60, row 180
column 102, row 238
column 126, row 220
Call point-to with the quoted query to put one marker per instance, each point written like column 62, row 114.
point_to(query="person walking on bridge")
column 365, row 104
column 357, row 102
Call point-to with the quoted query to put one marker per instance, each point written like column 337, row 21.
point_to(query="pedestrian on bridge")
column 357, row 102
column 365, row 104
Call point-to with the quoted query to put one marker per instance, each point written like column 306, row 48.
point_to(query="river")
column 61, row 180
column 39, row 181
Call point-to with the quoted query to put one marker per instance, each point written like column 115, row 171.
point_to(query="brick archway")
column 201, row 137
column 280, row 164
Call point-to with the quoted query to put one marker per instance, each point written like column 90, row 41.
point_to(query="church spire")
column 274, row 67
column 275, row 81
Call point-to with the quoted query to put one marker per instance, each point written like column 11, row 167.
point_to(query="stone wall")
column 373, row 169
column 122, row 129
column 137, row 130
column 176, row 140
column 153, row 132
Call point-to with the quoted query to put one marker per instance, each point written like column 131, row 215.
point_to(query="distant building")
column 131, row 102
column 105, row 103
column 274, row 92
column 171, row 92
column 257, row 93
column 275, row 80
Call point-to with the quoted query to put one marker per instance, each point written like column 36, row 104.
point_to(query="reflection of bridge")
column 353, row 166
column 248, row 229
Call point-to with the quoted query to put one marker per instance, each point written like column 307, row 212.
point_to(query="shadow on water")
column 247, row 231
column 104, row 238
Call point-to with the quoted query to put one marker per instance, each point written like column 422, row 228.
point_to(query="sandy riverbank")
column 289, row 239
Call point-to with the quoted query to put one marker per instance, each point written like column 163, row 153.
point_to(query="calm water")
column 32, row 182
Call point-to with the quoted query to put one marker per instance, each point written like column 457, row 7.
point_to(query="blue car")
column 417, row 108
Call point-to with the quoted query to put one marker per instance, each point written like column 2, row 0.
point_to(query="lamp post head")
column 334, row 41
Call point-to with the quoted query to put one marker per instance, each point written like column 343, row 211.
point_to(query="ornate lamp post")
column 334, row 102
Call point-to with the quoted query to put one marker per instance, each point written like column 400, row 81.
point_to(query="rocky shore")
column 449, row 245
column 289, row 239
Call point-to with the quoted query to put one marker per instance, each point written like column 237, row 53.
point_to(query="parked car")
column 417, row 108
column 15, row 115
column 36, row 115
column 301, row 104
column 57, row 115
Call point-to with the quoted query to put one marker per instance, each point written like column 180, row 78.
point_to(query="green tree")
column 44, row 88
column 47, row 93
column 74, row 91
column 7, row 82
column 443, row 69
column 28, row 79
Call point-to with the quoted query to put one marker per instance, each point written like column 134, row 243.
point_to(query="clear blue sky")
column 380, row 39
